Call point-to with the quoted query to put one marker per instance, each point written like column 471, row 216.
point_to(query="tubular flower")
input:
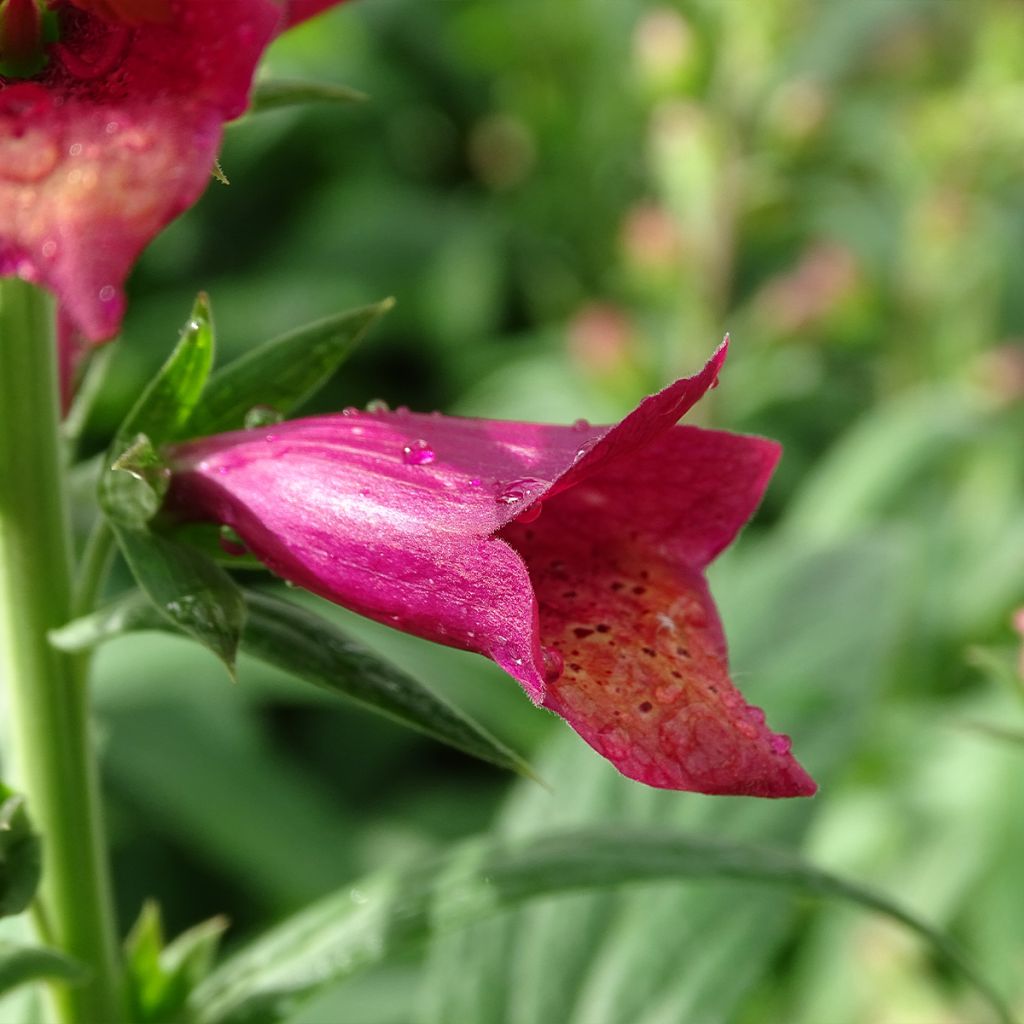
column 115, row 133
column 571, row 556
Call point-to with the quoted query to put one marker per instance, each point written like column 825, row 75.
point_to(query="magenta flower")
column 115, row 132
column 571, row 556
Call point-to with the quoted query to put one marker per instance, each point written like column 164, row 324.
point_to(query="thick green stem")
column 47, row 693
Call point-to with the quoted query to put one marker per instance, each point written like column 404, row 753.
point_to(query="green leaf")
column 169, row 400
column 391, row 913
column 161, row 977
column 307, row 646
column 282, row 373
column 132, row 488
column 20, row 863
column 290, row 92
column 21, row 964
column 313, row 649
column 188, row 590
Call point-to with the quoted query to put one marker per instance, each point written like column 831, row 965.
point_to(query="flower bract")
column 572, row 556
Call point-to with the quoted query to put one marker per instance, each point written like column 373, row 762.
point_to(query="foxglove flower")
column 111, row 114
column 571, row 556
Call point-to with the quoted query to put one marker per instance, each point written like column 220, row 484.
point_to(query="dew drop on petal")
column 532, row 513
column 781, row 744
column 262, row 416
column 583, row 450
column 418, row 453
column 581, row 424
column 377, row 405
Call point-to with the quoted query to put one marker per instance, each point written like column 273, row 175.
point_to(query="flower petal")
column 115, row 139
column 615, row 564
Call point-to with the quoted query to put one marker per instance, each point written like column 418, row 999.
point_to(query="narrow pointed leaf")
column 291, row 92
column 20, row 863
column 313, row 649
column 168, row 401
column 160, row 977
column 299, row 642
column 282, row 373
column 22, row 964
column 365, row 924
column 188, row 590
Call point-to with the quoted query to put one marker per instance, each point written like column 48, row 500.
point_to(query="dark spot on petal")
column 644, row 574
column 639, row 590
column 677, row 675
column 530, row 534
column 581, row 631
column 574, row 666
column 683, row 652
column 617, row 585
column 569, row 593
column 602, row 627
column 650, row 652
column 645, row 707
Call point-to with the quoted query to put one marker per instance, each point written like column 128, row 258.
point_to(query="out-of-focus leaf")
column 188, row 590
column 22, row 964
column 160, row 977
column 282, row 373
column 271, row 94
column 313, row 649
column 19, row 854
column 390, row 913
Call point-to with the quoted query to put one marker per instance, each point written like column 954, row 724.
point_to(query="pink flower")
column 117, row 133
column 571, row 556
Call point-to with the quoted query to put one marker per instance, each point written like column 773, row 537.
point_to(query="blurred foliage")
column 572, row 202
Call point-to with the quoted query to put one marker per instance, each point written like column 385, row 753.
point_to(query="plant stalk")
column 47, row 694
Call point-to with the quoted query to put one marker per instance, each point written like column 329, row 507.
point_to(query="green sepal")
column 282, row 373
column 303, row 644
column 20, row 858
column 162, row 975
column 191, row 592
column 20, row 965
column 168, row 402
column 291, row 92
column 133, row 486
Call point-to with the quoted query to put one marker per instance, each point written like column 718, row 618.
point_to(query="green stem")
column 47, row 693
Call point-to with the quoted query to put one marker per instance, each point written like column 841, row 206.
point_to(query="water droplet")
column 357, row 896
column 48, row 249
column 231, row 543
column 554, row 664
column 75, row 149
column 476, row 482
column 532, row 513
column 350, row 410
column 714, row 383
column 518, row 490
column 418, row 453
column 581, row 424
column 755, row 714
column 377, row 405
column 262, row 416
column 583, row 450
column 402, row 410
column 107, row 293
column 781, row 744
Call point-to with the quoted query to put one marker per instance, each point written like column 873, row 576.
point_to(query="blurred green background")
column 572, row 201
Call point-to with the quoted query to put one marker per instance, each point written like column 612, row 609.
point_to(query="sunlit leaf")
column 390, row 913
column 282, row 373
